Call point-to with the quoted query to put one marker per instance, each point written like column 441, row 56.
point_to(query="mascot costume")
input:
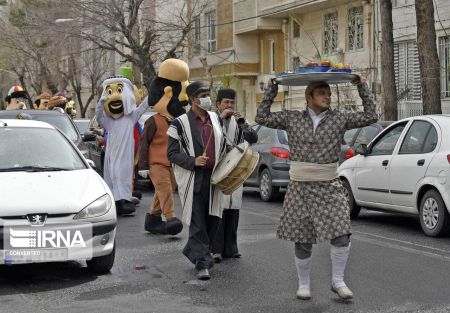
column 17, row 99
column 117, row 113
column 41, row 101
column 167, row 96
column 64, row 103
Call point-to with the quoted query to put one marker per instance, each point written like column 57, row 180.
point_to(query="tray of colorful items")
column 332, row 74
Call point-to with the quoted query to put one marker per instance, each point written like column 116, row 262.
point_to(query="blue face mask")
column 205, row 103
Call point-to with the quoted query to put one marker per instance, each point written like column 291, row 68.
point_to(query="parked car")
column 47, row 185
column 358, row 136
column 60, row 120
column 272, row 170
column 404, row 169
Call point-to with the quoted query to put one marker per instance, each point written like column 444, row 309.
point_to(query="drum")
column 235, row 168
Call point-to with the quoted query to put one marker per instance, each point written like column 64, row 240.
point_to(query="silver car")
column 272, row 171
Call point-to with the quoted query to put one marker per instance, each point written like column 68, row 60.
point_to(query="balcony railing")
column 409, row 109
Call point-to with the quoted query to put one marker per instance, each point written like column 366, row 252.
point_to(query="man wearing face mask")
column 196, row 144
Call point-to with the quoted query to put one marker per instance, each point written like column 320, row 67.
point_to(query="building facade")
column 253, row 40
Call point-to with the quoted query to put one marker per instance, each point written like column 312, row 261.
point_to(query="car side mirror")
column 88, row 136
column 361, row 149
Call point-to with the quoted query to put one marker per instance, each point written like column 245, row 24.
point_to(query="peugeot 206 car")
column 54, row 206
column 405, row 169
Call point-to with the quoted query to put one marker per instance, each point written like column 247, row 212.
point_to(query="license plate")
column 38, row 255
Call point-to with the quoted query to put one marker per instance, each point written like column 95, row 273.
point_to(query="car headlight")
column 97, row 208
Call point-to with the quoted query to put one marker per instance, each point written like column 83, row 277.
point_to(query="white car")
column 53, row 205
column 406, row 168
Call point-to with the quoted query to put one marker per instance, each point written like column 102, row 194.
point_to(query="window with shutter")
column 444, row 56
column 407, row 71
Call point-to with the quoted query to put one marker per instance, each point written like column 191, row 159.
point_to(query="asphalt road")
column 393, row 267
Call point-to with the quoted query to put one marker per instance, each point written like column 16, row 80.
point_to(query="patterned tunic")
column 315, row 211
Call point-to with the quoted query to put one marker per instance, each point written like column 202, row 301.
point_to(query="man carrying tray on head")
column 315, row 208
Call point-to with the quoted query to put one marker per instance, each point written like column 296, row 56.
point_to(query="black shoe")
column 203, row 274
column 137, row 194
column 154, row 224
column 174, row 226
column 125, row 207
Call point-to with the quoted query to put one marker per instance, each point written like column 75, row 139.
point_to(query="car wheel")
column 266, row 190
column 102, row 264
column 354, row 208
column 433, row 215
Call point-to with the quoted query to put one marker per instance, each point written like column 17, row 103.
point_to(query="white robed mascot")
column 117, row 113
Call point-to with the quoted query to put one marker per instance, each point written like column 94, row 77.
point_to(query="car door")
column 372, row 170
column 410, row 164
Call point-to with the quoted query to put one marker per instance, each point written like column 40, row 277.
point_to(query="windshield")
column 37, row 148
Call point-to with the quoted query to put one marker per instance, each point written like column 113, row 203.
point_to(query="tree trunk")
column 387, row 65
column 428, row 57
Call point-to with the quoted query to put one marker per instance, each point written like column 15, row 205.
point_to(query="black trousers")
column 203, row 227
column 225, row 241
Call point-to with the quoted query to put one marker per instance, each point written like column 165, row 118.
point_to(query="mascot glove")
column 144, row 173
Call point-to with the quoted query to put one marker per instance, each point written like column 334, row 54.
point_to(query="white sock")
column 303, row 271
column 339, row 257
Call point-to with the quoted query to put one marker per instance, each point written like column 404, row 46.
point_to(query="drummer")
column 315, row 207
column 196, row 144
column 237, row 130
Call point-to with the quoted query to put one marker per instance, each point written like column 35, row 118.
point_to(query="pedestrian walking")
column 196, row 144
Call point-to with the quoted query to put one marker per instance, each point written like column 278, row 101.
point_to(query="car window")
column 431, row 141
column 415, row 138
column 348, row 135
column 386, row 144
column 82, row 125
column 282, row 136
column 266, row 135
column 61, row 121
column 366, row 134
column 43, row 147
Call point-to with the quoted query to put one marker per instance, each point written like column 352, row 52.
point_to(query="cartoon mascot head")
column 57, row 102
column 17, row 98
column 41, row 101
column 120, row 99
column 167, row 94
